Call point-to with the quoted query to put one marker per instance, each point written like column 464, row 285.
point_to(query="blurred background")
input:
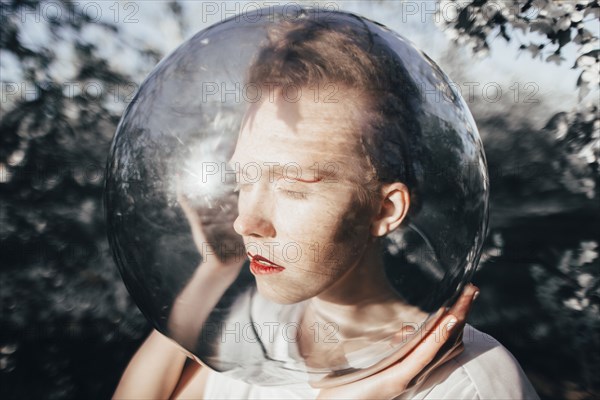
column 529, row 70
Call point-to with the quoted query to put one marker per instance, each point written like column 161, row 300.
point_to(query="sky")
column 415, row 20
column 150, row 25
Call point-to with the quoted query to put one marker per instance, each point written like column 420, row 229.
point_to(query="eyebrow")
column 279, row 170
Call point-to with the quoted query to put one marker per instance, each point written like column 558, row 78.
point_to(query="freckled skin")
column 320, row 232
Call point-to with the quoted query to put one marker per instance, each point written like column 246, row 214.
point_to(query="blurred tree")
column 540, row 267
column 68, row 324
column 542, row 27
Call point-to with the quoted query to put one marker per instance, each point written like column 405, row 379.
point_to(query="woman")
column 315, row 175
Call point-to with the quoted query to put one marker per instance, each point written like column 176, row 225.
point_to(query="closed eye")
column 294, row 195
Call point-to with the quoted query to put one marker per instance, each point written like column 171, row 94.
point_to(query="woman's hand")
column 212, row 230
column 223, row 255
column 441, row 344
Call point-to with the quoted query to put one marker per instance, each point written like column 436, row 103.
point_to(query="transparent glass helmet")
column 296, row 197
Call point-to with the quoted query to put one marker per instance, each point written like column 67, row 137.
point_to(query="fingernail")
column 475, row 295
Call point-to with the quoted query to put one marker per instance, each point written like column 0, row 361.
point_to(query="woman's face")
column 299, row 166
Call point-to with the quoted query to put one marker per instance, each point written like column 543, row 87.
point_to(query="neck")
column 363, row 284
column 363, row 297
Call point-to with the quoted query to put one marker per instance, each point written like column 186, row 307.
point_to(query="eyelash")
column 289, row 193
column 295, row 195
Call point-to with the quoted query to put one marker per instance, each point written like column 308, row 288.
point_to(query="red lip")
column 258, row 268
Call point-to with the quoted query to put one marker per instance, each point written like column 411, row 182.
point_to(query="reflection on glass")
column 302, row 209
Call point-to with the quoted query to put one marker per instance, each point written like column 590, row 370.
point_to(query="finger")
column 396, row 378
column 440, row 336
column 445, row 334
column 426, row 351
column 461, row 308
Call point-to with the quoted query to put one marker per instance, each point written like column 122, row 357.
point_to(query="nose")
column 254, row 218
column 255, row 226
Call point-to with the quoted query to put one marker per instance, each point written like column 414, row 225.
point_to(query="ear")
column 392, row 210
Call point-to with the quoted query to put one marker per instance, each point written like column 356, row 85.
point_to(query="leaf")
column 564, row 23
column 465, row 20
column 542, row 26
column 534, row 50
column 593, row 11
column 555, row 58
column 586, row 35
column 585, row 280
column 591, row 48
column 564, row 37
column 583, row 86
column 585, row 60
column 590, row 77
column 586, row 256
column 576, row 16
column 594, row 53
column 520, row 25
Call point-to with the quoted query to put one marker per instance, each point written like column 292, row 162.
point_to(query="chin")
column 282, row 296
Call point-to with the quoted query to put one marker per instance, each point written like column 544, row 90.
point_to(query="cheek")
column 307, row 229
column 329, row 220
column 302, row 219
column 354, row 224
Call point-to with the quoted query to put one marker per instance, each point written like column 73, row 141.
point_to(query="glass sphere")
column 296, row 197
